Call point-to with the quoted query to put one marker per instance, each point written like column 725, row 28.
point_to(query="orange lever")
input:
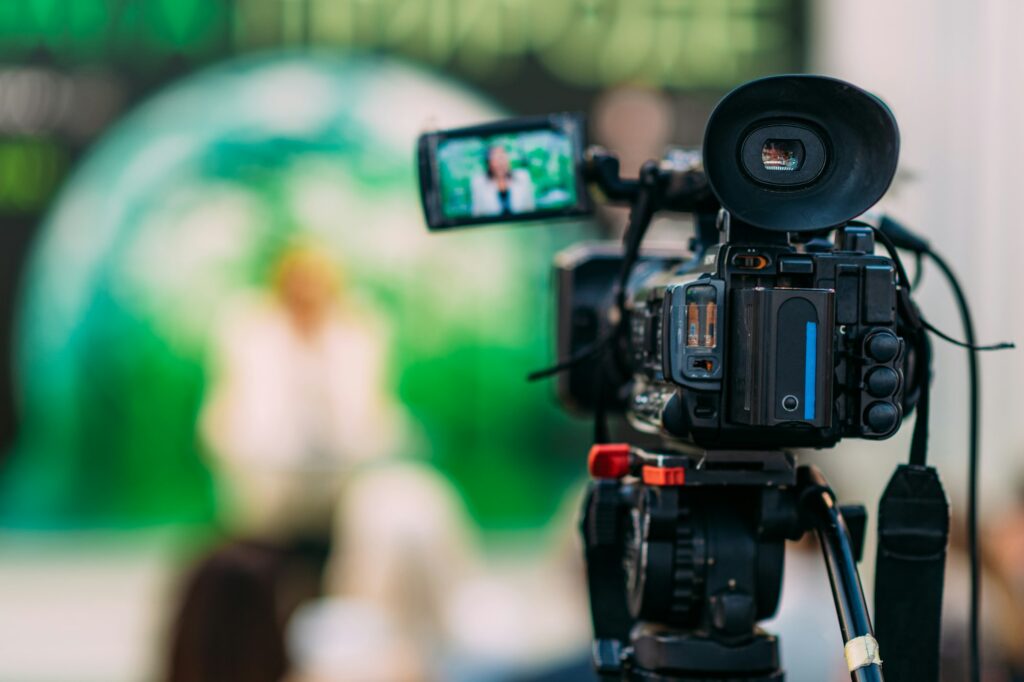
column 609, row 460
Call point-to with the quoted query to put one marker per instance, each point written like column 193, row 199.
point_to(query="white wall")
column 953, row 73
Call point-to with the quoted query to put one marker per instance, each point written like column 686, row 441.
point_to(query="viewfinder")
column 782, row 155
column 509, row 171
column 799, row 153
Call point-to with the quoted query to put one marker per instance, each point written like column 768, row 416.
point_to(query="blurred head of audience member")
column 229, row 627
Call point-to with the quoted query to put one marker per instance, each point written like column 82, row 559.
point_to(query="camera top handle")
column 665, row 186
column 674, row 184
column 682, row 184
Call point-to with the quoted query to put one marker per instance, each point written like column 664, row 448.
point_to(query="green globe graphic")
column 189, row 201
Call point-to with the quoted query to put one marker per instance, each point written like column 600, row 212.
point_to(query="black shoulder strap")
column 913, row 531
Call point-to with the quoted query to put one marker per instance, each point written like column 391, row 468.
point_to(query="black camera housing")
column 765, row 380
column 766, row 346
column 774, row 336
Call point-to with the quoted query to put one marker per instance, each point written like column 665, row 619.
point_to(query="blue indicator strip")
column 810, row 369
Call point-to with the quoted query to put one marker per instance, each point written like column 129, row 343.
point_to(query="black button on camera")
column 881, row 417
column 796, row 266
column 882, row 382
column 883, row 346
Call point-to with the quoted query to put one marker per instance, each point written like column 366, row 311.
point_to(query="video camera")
column 771, row 336
column 780, row 327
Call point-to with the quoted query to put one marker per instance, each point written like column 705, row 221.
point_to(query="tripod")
column 685, row 558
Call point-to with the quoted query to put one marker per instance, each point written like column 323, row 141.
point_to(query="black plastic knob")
column 881, row 417
column 881, row 382
column 883, row 346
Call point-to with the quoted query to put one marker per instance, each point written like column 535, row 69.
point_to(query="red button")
column 609, row 460
column 664, row 475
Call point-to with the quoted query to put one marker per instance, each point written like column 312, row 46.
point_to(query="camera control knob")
column 882, row 382
column 881, row 417
column 883, row 346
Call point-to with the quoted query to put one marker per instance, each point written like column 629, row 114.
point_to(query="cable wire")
column 918, row 340
column 974, row 639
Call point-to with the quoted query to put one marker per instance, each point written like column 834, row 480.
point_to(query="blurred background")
column 258, row 425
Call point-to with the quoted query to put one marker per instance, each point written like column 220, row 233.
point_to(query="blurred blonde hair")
column 308, row 258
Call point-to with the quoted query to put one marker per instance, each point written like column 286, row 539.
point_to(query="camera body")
column 753, row 345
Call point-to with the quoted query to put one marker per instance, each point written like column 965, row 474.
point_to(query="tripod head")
column 685, row 555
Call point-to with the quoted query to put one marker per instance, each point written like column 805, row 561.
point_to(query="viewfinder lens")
column 782, row 155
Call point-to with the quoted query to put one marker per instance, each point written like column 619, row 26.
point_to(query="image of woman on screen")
column 501, row 190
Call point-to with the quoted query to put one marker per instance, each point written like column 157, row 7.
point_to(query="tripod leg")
column 822, row 514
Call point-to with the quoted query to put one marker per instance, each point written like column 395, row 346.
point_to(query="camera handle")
column 628, row 649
